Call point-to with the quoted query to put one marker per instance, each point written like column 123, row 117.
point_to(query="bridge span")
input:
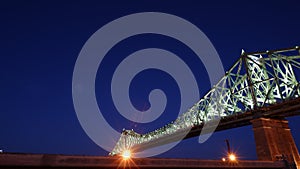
column 260, row 89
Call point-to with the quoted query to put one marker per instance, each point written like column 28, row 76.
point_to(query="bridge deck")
column 280, row 110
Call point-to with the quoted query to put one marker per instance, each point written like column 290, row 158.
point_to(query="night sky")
column 41, row 40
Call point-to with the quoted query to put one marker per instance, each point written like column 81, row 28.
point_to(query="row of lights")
column 127, row 155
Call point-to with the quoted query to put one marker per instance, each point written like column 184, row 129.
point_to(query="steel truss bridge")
column 259, row 84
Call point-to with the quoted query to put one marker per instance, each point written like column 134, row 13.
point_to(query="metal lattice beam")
column 256, row 80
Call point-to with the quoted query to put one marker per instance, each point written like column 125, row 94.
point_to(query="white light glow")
column 126, row 154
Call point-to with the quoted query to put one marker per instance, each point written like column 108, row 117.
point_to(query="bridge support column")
column 273, row 138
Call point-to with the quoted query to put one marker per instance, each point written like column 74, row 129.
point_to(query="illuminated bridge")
column 260, row 89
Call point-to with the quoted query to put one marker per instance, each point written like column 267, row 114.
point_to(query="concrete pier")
column 274, row 140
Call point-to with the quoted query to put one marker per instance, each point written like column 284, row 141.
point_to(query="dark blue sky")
column 40, row 42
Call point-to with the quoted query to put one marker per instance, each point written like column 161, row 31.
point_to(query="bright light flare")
column 232, row 157
column 126, row 154
column 126, row 160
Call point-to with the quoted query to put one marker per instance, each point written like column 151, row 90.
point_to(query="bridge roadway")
column 10, row 160
column 278, row 111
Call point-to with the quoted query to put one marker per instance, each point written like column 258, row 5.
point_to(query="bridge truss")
column 258, row 84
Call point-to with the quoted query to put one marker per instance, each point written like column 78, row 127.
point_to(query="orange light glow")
column 232, row 157
column 126, row 160
column 126, row 154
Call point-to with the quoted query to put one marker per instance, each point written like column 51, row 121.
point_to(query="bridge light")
column 232, row 157
column 126, row 154
column 223, row 159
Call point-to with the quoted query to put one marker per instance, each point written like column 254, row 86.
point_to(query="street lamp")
column 232, row 157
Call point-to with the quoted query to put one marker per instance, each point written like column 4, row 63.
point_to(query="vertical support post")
column 275, row 71
column 274, row 140
column 250, row 83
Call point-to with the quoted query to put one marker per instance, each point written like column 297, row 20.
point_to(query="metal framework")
column 256, row 80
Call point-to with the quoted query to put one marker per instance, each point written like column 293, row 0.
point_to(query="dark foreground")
column 10, row 160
